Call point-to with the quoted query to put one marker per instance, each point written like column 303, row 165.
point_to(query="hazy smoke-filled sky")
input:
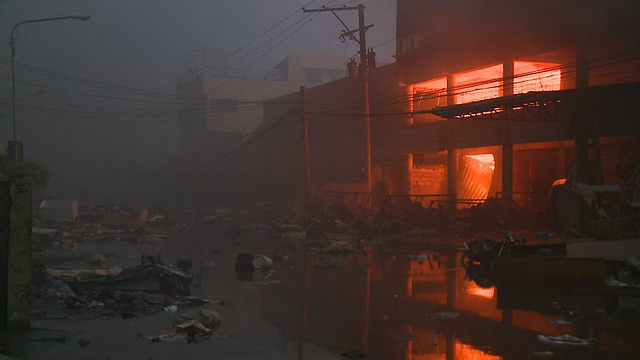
column 137, row 41
column 90, row 101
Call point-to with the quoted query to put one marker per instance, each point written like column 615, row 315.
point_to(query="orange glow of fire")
column 480, row 84
column 476, row 177
column 486, row 293
column 425, row 92
column 466, row 352
column 488, row 83
column 484, row 160
column 535, row 76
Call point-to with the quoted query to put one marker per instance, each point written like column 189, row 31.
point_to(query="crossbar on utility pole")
column 322, row 9
column 363, row 74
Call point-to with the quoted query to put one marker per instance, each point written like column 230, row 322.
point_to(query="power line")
column 466, row 88
column 380, row 104
column 233, row 153
column 99, row 84
column 129, row 90
column 308, row 18
column 255, row 39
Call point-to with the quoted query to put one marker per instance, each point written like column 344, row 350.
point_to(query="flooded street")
column 414, row 301
column 318, row 180
column 396, row 297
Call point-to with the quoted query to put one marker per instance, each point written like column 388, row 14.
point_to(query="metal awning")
column 603, row 93
column 526, row 118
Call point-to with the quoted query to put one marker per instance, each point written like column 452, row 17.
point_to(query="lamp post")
column 17, row 148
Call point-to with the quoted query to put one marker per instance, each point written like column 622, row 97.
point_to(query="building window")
column 476, row 85
column 223, row 105
column 536, row 76
column 429, row 94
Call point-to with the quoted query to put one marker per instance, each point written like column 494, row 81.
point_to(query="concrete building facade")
column 545, row 86
column 235, row 96
column 489, row 99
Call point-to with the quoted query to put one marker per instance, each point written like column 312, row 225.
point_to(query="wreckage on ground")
column 604, row 212
column 148, row 277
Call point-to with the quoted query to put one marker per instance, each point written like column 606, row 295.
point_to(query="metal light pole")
column 16, row 147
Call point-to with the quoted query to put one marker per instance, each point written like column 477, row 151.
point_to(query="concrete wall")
column 429, row 179
column 450, row 36
column 251, row 92
column 249, row 95
column 272, row 165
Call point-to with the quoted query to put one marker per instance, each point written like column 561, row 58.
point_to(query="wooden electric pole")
column 363, row 73
column 305, row 139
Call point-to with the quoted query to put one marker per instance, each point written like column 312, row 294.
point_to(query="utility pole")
column 15, row 146
column 16, row 299
column 305, row 139
column 363, row 73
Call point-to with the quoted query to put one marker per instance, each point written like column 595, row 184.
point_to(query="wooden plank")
column 542, row 298
column 606, row 249
column 551, row 270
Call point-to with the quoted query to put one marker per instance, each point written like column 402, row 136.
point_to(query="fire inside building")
column 494, row 111
column 491, row 100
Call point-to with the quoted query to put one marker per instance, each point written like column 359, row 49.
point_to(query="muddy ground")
column 386, row 297
column 243, row 332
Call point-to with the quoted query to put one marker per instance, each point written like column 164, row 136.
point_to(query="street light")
column 18, row 152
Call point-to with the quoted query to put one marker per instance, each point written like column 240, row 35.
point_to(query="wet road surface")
column 413, row 300
column 391, row 300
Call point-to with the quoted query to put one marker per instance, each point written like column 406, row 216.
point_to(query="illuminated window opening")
column 475, row 177
column 476, row 85
column 486, row 83
column 536, row 76
column 484, row 160
column 429, row 94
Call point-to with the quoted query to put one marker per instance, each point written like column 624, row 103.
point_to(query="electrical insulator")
column 371, row 59
column 352, row 69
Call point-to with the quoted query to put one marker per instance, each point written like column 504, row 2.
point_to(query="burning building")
column 490, row 99
column 507, row 97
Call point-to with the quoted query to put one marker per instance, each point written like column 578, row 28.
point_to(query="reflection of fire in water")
column 476, row 176
column 473, row 289
column 466, row 352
